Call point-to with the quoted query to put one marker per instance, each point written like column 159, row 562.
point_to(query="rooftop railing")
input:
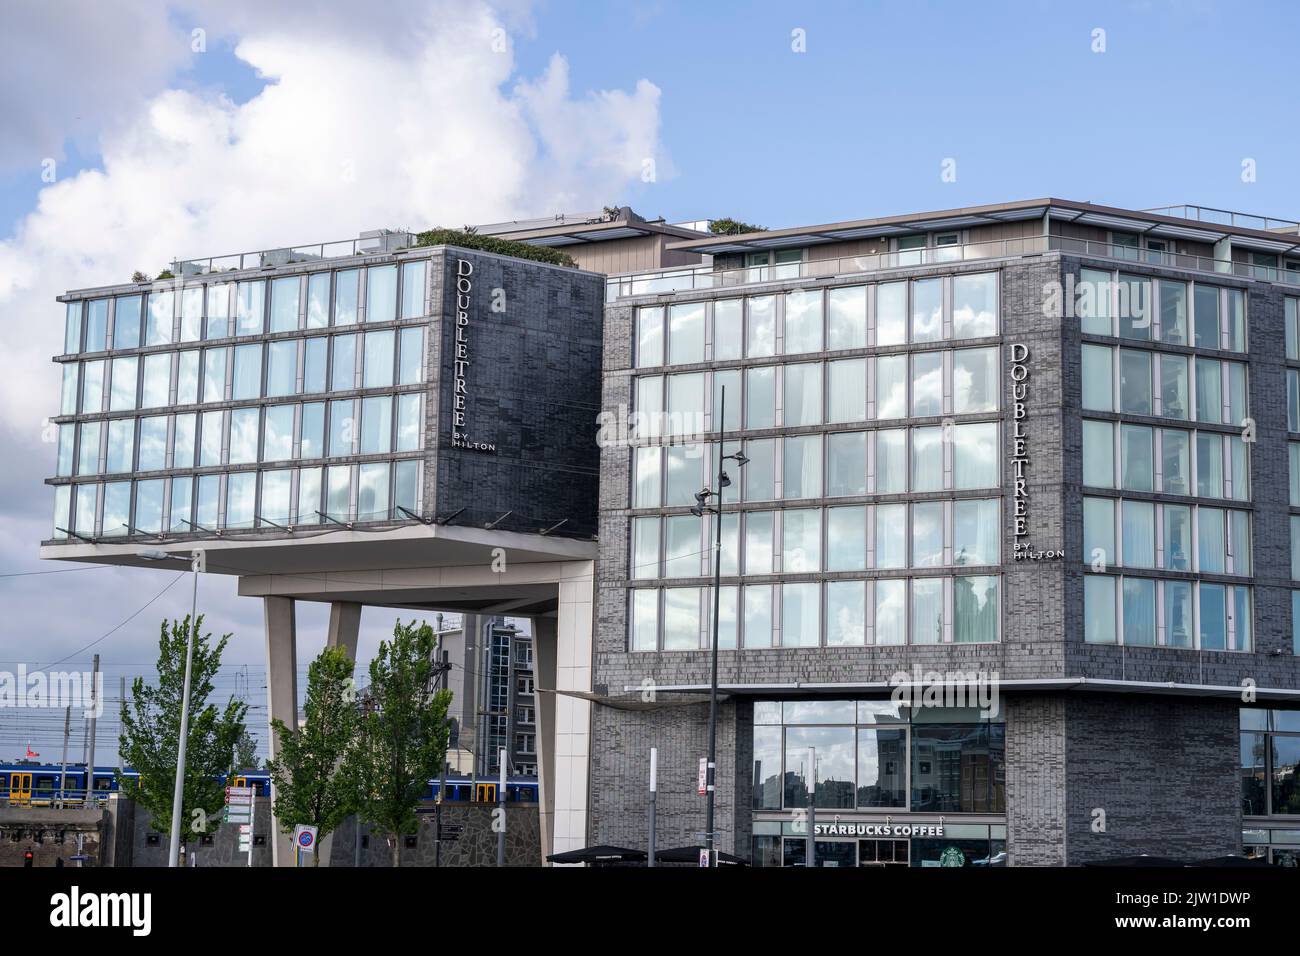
column 1226, row 217
column 267, row 258
column 666, row 281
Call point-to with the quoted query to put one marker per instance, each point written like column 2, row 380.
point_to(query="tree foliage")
column 151, row 720
column 494, row 244
column 402, row 739
column 733, row 227
column 313, row 782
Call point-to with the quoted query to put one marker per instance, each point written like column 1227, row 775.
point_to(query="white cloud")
column 366, row 121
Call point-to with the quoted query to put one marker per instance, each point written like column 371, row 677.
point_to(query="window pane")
column 381, row 293
column 647, row 471
column 153, row 443
column 68, row 394
column 801, row 540
column 126, row 323
column 1173, row 312
column 72, row 327
column 686, row 403
column 338, row 490
column 284, row 304
column 406, row 487
column 803, row 394
column 846, row 467
column 803, row 467
column 645, row 620
column 206, row 502
column 241, row 497
column 408, row 422
column 846, row 539
column 159, row 323
column 187, row 378
column 682, row 548
column 246, row 381
column 312, row 442
column 314, row 364
column 728, row 328
column 1099, row 454
column 975, row 610
column 244, row 424
column 846, row 318
column 1098, row 388
column 182, row 489
column 275, row 496
column 413, row 285
column 1209, row 465
column 760, row 397
column 1209, row 391
column 1211, row 540
column 342, row 428
column 411, row 370
column 183, row 446
column 96, row 325
column 1140, row 611
column 975, row 380
column 891, row 313
column 975, row 462
column 214, row 375
column 890, row 620
column 759, row 542
column 1134, row 308
column 891, row 461
column 803, row 322
column 1134, row 382
column 1213, row 615
column 376, row 425
column 1139, row 534
column 891, row 536
column 927, row 458
column 157, row 380
column 760, row 326
column 974, row 305
column 645, row 548
column 1206, row 302
column 85, row 503
column 122, row 394
column 927, row 610
column 846, row 613
column 927, row 383
column 1173, row 386
column 249, row 319
column 281, row 367
column 927, row 310
column 760, row 474
column 649, row 336
column 318, row 300
column 686, row 333
column 681, row 619
column 684, row 474
column 372, row 491
column 1137, row 461
column 117, row 508
column 1178, row 537
column 847, row 390
column 1099, row 609
column 344, row 375
column 218, row 314
column 1175, row 462
column 800, row 616
column 378, row 372
column 278, row 439
column 121, row 445
column 758, row 615
column 891, row 386
column 975, row 532
column 309, row 492
column 345, row 297
column 927, row 534
column 92, row 386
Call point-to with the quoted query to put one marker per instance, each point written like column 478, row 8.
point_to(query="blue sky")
column 443, row 132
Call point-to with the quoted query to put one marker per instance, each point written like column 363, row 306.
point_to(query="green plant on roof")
column 493, row 244
column 733, row 227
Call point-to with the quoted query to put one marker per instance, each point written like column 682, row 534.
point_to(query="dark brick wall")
column 533, row 385
column 1164, row 770
column 1035, row 758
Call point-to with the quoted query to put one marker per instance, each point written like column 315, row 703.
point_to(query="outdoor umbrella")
column 600, row 854
column 691, row 854
column 1142, row 860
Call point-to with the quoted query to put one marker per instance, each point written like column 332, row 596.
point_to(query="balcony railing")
column 1226, row 217
column 267, row 258
column 665, row 281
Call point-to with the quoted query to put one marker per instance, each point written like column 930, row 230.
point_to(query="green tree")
column 313, row 783
column 245, row 754
column 402, row 741
column 151, row 721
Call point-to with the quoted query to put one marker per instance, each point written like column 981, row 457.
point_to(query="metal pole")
column 63, row 767
column 90, row 761
column 654, row 786
column 711, row 769
column 174, row 849
column 501, row 805
column 442, row 777
column 811, row 858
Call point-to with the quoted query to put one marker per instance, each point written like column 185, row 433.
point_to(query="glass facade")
column 196, row 414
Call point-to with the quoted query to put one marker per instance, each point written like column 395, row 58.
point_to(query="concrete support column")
column 282, row 695
column 572, row 737
column 345, row 626
column 544, row 685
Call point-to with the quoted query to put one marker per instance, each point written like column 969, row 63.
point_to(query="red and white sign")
column 704, row 775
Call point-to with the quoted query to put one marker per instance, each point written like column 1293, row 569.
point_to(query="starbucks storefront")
column 892, row 786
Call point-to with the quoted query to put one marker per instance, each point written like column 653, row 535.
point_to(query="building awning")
column 599, row 854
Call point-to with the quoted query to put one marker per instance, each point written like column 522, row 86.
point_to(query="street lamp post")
column 701, row 507
column 196, row 565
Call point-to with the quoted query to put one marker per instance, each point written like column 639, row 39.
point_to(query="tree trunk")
column 396, row 846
